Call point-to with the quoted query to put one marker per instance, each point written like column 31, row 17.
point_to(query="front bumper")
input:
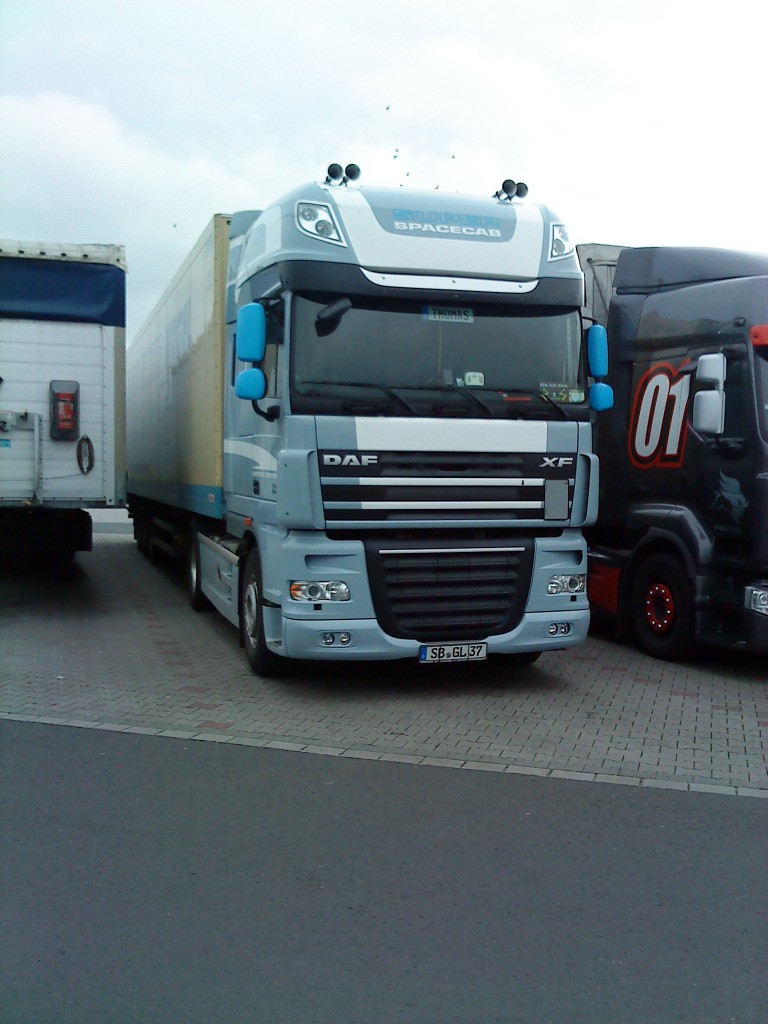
column 304, row 639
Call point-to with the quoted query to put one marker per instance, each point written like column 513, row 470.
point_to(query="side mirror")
column 709, row 406
column 328, row 319
column 711, row 369
column 251, row 333
column 600, row 394
column 600, row 397
column 709, row 413
column 251, row 385
column 597, row 350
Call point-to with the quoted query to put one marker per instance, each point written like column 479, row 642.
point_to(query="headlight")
column 756, row 599
column 560, row 244
column 310, row 590
column 571, row 584
column 319, row 221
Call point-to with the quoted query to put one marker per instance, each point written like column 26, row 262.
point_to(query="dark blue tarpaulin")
column 91, row 293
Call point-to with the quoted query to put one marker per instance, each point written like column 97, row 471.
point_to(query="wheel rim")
column 251, row 608
column 659, row 609
column 193, row 569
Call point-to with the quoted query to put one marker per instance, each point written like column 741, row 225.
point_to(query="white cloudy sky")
column 132, row 121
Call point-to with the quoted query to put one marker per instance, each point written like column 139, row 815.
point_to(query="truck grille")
column 413, row 488
column 445, row 592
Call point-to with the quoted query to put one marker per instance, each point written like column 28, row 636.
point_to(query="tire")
column 522, row 658
column 140, row 530
column 262, row 661
column 197, row 598
column 154, row 554
column 661, row 608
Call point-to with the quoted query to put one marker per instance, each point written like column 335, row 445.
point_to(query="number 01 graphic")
column 658, row 427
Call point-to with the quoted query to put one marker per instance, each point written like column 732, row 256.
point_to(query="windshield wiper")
column 531, row 392
column 465, row 393
column 366, row 384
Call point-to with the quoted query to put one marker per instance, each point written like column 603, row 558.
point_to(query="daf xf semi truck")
column 679, row 554
column 62, row 393
column 364, row 417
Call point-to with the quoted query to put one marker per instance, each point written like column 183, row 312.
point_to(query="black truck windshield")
column 390, row 357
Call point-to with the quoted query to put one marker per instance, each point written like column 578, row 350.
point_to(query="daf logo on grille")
column 346, row 459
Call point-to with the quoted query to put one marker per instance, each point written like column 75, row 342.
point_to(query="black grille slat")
column 452, row 463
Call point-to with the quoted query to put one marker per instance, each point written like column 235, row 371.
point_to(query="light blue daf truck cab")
column 405, row 427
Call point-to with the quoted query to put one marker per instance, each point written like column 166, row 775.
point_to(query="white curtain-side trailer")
column 62, row 393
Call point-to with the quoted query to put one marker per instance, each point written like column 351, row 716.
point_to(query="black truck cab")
column 679, row 553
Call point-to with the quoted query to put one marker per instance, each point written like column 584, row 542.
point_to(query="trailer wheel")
column 263, row 661
column 197, row 598
column 661, row 609
column 154, row 554
column 140, row 527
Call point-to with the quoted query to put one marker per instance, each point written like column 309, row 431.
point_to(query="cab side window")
column 735, row 405
column 272, row 358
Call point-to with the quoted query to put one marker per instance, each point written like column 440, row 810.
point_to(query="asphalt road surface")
column 153, row 879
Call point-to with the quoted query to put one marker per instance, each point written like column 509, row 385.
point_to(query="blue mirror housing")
column 251, row 333
column 251, row 385
column 597, row 350
column 601, row 397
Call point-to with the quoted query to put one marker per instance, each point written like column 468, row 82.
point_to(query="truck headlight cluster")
column 310, row 590
column 560, row 244
column 572, row 584
column 318, row 220
column 756, row 599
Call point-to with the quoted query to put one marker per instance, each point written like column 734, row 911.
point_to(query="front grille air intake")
column 448, row 592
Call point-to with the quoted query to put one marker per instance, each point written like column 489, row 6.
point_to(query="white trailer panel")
column 85, row 472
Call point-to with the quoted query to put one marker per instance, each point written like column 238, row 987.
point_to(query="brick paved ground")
column 118, row 647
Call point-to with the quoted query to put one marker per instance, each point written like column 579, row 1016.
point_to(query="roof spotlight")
column 511, row 189
column 352, row 172
column 335, row 173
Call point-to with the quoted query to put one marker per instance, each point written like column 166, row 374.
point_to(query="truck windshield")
column 402, row 358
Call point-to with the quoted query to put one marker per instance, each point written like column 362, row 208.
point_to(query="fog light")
column 552, row 630
column 574, row 583
column 328, row 639
column 344, row 639
column 565, row 628
column 756, row 598
column 315, row 591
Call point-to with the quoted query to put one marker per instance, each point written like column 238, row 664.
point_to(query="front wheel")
column 661, row 609
column 522, row 658
column 263, row 661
